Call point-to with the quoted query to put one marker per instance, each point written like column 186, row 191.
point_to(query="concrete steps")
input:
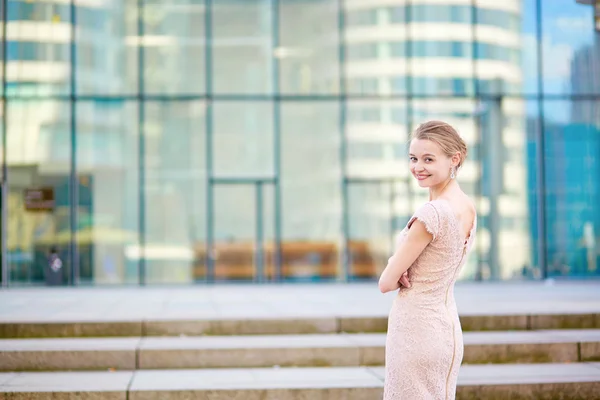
column 292, row 342
column 310, row 350
column 276, row 325
column 531, row 381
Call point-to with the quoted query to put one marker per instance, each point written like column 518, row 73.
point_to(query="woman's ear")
column 456, row 159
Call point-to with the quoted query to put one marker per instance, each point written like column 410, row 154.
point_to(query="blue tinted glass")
column 438, row 86
column 37, row 11
column 461, row 14
column 459, row 86
column 460, row 49
column 34, row 51
column 572, row 159
column 571, row 63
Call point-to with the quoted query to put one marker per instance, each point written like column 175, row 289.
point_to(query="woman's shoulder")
column 461, row 210
column 459, row 204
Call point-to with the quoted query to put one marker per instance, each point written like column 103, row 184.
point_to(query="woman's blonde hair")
column 445, row 136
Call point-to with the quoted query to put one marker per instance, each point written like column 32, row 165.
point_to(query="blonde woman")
column 424, row 346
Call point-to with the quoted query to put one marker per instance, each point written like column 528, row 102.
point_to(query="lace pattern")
column 424, row 345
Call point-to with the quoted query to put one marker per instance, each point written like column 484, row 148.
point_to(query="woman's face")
column 428, row 163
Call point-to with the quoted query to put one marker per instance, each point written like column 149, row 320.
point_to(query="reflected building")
column 245, row 141
column 436, row 59
column 572, row 168
column 585, row 79
column 40, row 146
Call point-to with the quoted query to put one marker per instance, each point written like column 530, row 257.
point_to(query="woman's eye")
column 428, row 159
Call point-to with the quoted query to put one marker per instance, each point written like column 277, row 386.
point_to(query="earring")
column 452, row 174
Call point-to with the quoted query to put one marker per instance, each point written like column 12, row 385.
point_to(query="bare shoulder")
column 470, row 206
column 463, row 208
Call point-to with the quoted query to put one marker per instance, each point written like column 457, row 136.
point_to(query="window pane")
column 572, row 150
column 235, row 232
column 370, row 231
column 308, row 48
column 38, row 48
column 38, row 161
column 571, row 49
column 376, row 163
column 174, row 58
column 242, row 47
column 375, row 48
column 243, row 139
column 175, row 190
column 375, row 129
column 107, row 171
column 506, row 50
column 506, row 189
column 439, row 55
column 107, row 61
column 311, row 190
column 361, row 17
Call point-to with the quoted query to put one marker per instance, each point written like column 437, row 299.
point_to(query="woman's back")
column 464, row 211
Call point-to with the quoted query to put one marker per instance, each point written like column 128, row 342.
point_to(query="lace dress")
column 424, row 344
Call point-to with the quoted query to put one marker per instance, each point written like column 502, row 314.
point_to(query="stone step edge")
column 280, row 325
column 567, row 381
column 324, row 350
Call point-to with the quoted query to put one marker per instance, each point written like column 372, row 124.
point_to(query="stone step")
column 565, row 381
column 311, row 350
column 276, row 325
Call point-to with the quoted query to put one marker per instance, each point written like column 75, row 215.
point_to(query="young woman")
column 424, row 346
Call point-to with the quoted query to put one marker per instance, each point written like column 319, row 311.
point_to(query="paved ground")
column 268, row 301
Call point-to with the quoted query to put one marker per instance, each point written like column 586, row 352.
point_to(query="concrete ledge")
column 242, row 326
column 494, row 322
column 70, row 329
column 565, row 321
column 275, row 325
column 362, row 324
column 532, row 381
column 248, row 351
column 68, row 354
column 254, row 351
column 62, row 395
column 65, row 385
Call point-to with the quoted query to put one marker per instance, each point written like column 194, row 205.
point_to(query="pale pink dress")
column 424, row 344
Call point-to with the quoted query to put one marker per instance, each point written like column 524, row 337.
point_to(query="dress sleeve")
column 429, row 216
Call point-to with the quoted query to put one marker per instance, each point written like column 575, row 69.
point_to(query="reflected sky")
column 567, row 29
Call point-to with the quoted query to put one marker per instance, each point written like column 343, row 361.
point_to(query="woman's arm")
column 417, row 239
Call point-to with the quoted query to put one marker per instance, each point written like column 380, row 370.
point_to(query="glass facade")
column 193, row 141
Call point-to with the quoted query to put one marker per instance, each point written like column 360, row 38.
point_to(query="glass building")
column 192, row 141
